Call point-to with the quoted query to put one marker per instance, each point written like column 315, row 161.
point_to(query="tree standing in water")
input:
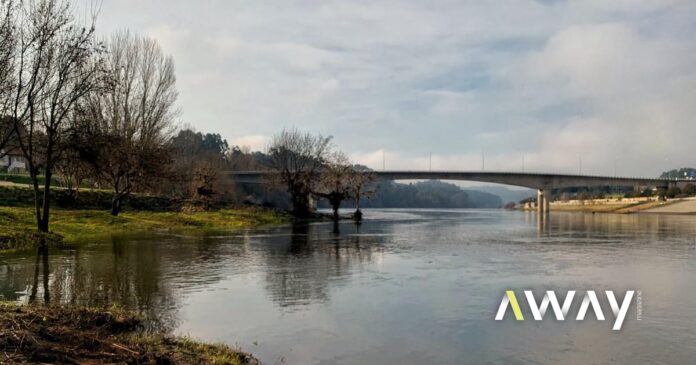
column 297, row 158
column 334, row 184
column 360, row 187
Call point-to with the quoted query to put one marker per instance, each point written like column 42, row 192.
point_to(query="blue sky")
column 550, row 82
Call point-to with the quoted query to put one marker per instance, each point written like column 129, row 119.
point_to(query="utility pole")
column 523, row 162
column 430, row 165
column 483, row 161
column 579, row 165
column 383, row 162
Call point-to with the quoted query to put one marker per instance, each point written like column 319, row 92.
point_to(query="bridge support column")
column 312, row 203
column 542, row 202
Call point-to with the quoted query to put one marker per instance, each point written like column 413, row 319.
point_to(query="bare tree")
column 71, row 168
column 334, row 183
column 7, row 48
column 54, row 66
column 360, row 186
column 298, row 158
column 132, row 116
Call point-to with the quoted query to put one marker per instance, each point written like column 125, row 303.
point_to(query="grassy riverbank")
column 33, row 334
column 18, row 227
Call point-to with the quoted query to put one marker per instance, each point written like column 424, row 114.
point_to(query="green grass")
column 18, row 227
column 25, row 179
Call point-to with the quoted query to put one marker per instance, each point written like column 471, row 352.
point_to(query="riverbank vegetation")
column 17, row 223
column 36, row 334
column 86, row 111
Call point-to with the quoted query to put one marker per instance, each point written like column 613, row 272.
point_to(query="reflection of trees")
column 42, row 257
column 150, row 274
column 130, row 275
column 131, row 272
column 302, row 265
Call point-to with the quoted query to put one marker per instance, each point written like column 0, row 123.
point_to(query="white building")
column 13, row 161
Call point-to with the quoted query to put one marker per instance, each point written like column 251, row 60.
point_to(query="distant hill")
column 506, row 194
column 390, row 194
column 426, row 194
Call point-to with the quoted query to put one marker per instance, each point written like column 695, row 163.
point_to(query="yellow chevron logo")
column 515, row 306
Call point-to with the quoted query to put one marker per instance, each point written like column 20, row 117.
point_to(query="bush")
column 12, row 196
column 647, row 193
column 673, row 192
column 689, row 190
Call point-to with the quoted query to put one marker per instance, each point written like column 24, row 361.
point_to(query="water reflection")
column 149, row 273
column 301, row 269
column 42, row 257
column 405, row 286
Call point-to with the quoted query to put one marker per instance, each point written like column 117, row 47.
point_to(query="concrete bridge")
column 542, row 182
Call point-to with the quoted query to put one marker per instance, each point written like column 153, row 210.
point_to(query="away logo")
column 561, row 311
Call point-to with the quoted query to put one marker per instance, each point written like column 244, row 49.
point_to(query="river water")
column 405, row 287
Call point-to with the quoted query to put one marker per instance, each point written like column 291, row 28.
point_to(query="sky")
column 594, row 86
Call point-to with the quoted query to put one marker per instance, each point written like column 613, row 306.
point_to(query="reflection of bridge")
column 540, row 181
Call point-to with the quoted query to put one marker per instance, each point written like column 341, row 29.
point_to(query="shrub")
column 673, row 192
column 689, row 190
column 14, row 196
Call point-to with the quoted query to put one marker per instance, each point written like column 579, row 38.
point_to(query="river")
column 405, row 287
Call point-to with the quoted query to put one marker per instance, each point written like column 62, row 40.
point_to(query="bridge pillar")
column 542, row 202
column 312, row 203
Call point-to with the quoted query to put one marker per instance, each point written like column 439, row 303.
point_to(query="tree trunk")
column 43, row 222
column 357, row 216
column 335, row 207
column 300, row 205
column 116, row 205
column 37, row 200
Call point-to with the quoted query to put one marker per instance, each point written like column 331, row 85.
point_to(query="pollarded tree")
column 335, row 181
column 131, row 118
column 360, row 186
column 297, row 157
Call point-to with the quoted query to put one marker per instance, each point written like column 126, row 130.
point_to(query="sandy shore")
column 628, row 206
column 684, row 206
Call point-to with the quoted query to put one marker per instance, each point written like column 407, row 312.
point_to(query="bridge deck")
column 539, row 181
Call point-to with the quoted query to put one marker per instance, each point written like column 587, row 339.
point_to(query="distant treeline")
column 682, row 173
column 426, row 194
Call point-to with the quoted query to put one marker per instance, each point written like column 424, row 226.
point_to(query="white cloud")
column 254, row 142
column 634, row 88
column 548, row 80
